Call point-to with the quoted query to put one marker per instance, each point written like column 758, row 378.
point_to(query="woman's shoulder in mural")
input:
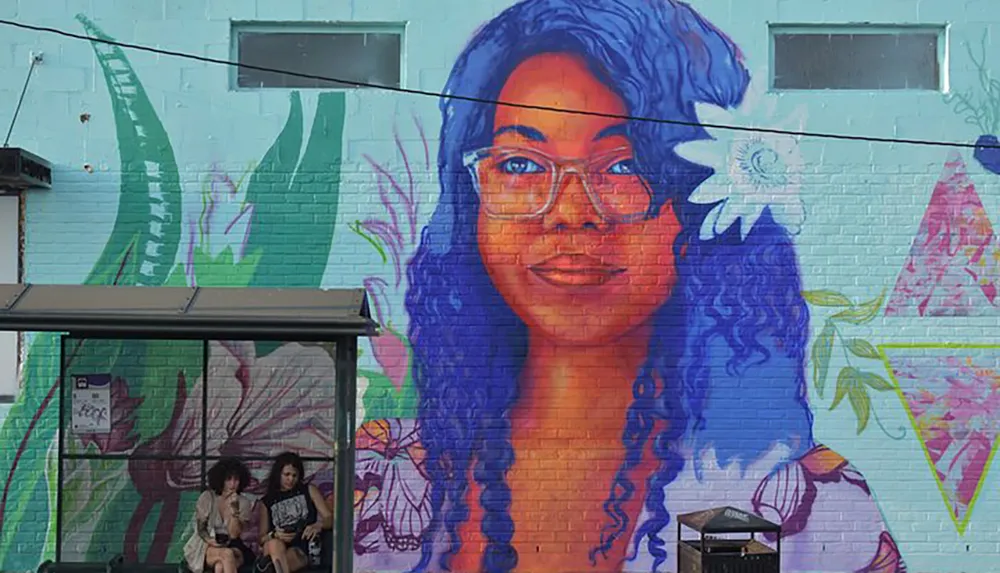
column 824, row 505
column 821, row 501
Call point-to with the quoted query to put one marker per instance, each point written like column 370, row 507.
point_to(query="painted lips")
column 575, row 270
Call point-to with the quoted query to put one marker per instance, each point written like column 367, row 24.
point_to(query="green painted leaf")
column 876, row 382
column 111, row 523
column 863, row 313
column 383, row 401
column 862, row 348
column 88, row 488
column 318, row 180
column 126, row 265
column 177, row 277
column 821, row 351
column 30, row 482
column 825, row 298
column 861, row 405
column 140, row 250
column 19, row 547
column 267, row 191
column 164, row 360
column 52, row 484
column 221, row 270
column 288, row 193
column 375, row 242
column 846, row 380
column 148, row 222
column 183, row 528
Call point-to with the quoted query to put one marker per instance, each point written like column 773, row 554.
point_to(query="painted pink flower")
column 257, row 407
column 391, row 351
column 887, row 559
column 121, row 439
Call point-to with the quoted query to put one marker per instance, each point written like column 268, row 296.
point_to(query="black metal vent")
column 20, row 169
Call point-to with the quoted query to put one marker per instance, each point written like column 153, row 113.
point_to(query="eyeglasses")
column 518, row 183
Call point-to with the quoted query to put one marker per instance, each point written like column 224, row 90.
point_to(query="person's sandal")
column 263, row 564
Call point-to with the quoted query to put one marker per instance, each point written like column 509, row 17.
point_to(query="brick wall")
column 830, row 368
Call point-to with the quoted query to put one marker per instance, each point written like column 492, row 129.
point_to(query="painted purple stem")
column 390, row 237
column 395, row 199
column 245, row 214
column 411, row 203
column 387, row 201
column 189, row 260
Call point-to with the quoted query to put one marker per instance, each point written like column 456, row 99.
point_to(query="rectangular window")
column 10, row 207
column 858, row 57
column 371, row 54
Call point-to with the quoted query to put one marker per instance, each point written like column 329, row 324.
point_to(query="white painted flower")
column 753, row 170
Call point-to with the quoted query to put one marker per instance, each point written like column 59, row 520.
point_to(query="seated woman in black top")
column 291, row 514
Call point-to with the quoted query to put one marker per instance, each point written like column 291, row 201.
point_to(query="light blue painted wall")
column 864, row 201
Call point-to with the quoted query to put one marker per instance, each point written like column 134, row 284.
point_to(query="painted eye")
column 623, row 167
column 520, row 166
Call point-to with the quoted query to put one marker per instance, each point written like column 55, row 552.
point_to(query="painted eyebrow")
column 611, row 130
column 522, row 130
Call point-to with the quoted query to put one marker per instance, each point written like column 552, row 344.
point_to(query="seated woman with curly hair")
column 221, row 513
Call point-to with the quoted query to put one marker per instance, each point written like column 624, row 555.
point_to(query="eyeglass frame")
column 560, row 166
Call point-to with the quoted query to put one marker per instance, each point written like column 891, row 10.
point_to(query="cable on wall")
column 410, row 91
column 35, row 60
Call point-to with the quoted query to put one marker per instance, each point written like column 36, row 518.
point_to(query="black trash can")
column 711, row 554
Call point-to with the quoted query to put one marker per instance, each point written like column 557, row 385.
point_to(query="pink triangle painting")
column 952, row 395
column 954, row 264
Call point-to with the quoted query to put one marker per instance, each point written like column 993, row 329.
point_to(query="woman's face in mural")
column 561, row 230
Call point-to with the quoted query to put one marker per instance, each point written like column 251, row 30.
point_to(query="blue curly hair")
column 735, row 326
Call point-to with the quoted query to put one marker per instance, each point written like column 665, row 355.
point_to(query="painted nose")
column 573, row 208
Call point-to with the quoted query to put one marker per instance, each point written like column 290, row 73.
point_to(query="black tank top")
column 291, row 510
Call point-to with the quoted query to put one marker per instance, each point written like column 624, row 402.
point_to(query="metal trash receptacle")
column 726, row 555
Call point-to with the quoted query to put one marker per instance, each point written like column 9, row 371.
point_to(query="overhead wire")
column 487, row 101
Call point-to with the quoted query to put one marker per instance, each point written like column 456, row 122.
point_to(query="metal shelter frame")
column 205, row 314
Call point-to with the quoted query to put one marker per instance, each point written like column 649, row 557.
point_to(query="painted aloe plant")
column 394, row 235
column 238, row 239
column 139, row 251
column 293, row 190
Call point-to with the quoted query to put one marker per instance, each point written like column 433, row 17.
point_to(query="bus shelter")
column 185, row 322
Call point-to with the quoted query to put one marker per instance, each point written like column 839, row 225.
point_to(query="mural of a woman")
column 587, row 366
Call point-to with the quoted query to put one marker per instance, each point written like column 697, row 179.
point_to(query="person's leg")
column 242, row 553
column 278, row 552
column 221, row 559
column 238, row 557
column 297, row 559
